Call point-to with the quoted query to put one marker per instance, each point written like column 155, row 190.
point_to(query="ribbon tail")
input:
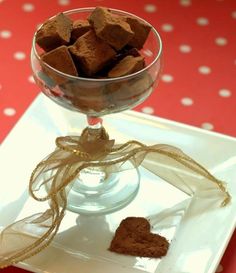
column 27, row 237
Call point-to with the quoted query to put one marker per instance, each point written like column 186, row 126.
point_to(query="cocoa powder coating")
column 80, row 27
column 54, row 32
column 126, row 66
column 141, row 31
column 60, row 59
column 133, row 237
column 91, row 52
column 111, row 28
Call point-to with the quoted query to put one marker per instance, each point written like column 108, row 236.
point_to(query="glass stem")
column 94, row 127
column 94, row 122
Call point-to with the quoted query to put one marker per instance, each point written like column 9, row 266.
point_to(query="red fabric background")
column 195, row 33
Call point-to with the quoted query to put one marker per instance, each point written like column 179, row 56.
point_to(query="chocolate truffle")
column 85, row 96
column 54, row 33
column 92, row 53
column 79, row 28
column 130, row 51
column 118, row 93
column 111, row 28
column 129, row 91
column 141, row 31
column 61, row 60
column 133, row 237
column 126, row 66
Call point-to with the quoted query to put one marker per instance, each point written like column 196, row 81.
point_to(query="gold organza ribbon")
column 53, row 177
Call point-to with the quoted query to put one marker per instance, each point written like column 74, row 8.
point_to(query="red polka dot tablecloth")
column 198, row 84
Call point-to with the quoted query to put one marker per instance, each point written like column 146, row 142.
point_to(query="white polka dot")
column 167, row 27
column 28, row 7
column 221, row 41
column 202, row 21
column 0, row 87
column 219, row 268
column 225, row 93
column 187, row 101
column 148, row 110
column 204, row 70
column 150, row 8
column 207, row 126
column 5, row 34
column 9, row 111
column 19, row 55
column 185, row 3
column 31, row 79
column 185, row 48
column 63, row 2
column 234, row 14
column 167, row 78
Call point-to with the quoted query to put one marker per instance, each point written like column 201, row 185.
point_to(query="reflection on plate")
column 197, row 241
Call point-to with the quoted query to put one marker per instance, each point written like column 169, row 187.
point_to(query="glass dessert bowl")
column 96, row 190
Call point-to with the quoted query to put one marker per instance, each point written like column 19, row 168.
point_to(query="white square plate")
column 197, row 243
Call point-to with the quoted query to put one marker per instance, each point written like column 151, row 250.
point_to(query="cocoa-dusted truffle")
column 85, row 96
column 141, row 31
column 126, row 66
column 126, row 51
column 138, row 86
column 128, row 91
column 130, row 51
column 111, row 28
column 92, row 53
column 79, row 28
column 61, row 60
column 54, row 32
column 133, row 237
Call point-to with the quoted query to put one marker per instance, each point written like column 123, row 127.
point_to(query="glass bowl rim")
column 71, row 77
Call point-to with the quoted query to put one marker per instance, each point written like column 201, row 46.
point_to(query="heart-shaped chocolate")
column 133, row 237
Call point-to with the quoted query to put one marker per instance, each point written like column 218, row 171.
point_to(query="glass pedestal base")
column 95, row 193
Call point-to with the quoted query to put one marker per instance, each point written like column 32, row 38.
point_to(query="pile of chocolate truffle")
column 105, row 45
